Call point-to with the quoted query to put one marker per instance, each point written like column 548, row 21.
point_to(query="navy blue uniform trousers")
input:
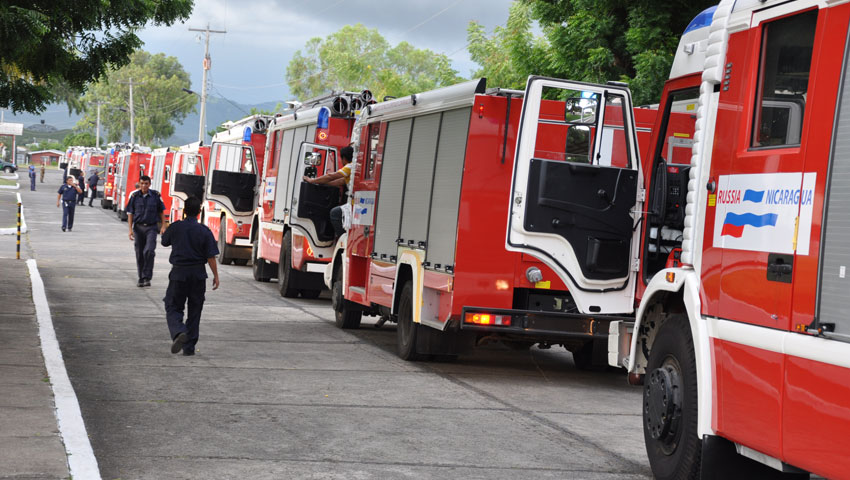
column 145, row 249
column 68, row 214
column 180, row 289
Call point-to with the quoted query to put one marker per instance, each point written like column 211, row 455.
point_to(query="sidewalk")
column 30, row 445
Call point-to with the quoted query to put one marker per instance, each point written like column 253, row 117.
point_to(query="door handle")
column 780, row 267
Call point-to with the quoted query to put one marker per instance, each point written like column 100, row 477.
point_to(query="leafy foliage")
column 588, row 40
column 50, row 50
column 79, row 139
column 357, row 57
column 158, row 98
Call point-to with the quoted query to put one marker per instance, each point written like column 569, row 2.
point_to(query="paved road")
column 277, row 391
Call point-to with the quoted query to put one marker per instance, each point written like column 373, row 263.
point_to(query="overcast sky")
column 249, row 61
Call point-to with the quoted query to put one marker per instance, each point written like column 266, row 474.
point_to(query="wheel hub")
column 662, row 404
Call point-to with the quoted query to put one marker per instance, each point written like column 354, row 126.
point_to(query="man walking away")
column 192, row 247
column 68, row 197
column 32, row 178
column 42, row 171
column 144, row 210
column 93, row 179
column 82, row 182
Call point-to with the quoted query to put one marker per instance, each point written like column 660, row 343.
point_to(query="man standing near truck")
column 339, row 178
column 93, row 179
column 146, row 218
column 68, row 197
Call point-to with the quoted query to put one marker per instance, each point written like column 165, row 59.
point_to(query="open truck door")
column 232, row 178
column 576, row 188
column 311, row 203
column 189, row 176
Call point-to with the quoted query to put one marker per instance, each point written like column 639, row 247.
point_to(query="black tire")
column 223, row 258
column 406, row 329
column 347, row 315
column 285, row 275
column 310, row 294
column 258, row 265
column 114, row 207
column 122, row 215
column 670, row 406
column 240, row 261
column 8, row 170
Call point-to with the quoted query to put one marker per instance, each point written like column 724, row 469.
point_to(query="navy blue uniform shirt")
column 145, row 208
column 93, row 179
column 68, row 192
column 191, row 245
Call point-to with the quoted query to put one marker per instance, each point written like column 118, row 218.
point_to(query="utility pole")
column 132, row 112
column 207, row 65
column 97, row 129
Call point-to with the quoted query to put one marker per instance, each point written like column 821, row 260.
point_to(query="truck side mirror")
column 312, row 159
column 580, row 110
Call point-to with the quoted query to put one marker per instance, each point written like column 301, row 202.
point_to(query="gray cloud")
column 262, row 37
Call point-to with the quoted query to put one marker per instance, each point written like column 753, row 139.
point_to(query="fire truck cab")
column 162, row 160
column 232, row 186
column 426, row 245
column 133, row 162
column 741, row 338
column 188, row 174
column 292, row 236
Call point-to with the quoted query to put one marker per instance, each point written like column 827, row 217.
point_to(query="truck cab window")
column 786, row 57
column 372, row 155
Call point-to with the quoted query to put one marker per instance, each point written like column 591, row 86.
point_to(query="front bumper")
column 550, row 327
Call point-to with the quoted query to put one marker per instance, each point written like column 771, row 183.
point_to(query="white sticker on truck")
column 764, row 212
column 364, row 208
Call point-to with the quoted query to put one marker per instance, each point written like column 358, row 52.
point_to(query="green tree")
column 262, row 111
column 588, row 40
column 79, row 139
column 158, row 98
column 50, row 50
column 357, row 57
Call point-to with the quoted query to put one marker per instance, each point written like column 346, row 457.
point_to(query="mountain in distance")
column 219, row 111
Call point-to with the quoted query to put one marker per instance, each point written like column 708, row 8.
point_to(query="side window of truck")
column 371, row 159
column 785, row 64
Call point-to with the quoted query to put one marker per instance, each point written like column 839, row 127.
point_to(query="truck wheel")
column 223, row 258
column 670, row 403
column 258, row 265
column 347, row 315
column 310, row 294
column 406, row 329
column 240, row 261
column 122, row 215
column 285, row 275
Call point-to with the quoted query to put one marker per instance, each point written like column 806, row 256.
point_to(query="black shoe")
column 188, row 353
column 146, row 283
column 179, row 341
column 140, row 283
column 69, row 229
column 63, row 229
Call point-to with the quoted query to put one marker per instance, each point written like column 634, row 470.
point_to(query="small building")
column 46, row 157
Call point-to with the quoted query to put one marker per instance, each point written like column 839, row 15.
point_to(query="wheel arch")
column 662, row 299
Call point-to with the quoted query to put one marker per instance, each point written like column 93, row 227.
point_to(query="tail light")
column 488, row 319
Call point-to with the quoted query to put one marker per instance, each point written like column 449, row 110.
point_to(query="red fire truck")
column 133, row 162
column 187, row 177
column 426, row 243
column 232, row 186
column 109, row 179
column 293, row 239
column 161, row 163
column 741, row 338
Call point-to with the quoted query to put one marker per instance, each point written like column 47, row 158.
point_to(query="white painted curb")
column 13, row 176
column 81, row 460
column 10, row 187
column 14, row 230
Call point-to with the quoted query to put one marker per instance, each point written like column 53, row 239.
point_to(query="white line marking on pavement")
column 81, row 460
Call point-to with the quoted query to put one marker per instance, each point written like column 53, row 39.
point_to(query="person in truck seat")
column 339, row 178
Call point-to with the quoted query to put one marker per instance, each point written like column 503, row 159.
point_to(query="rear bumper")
column 550, row 327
